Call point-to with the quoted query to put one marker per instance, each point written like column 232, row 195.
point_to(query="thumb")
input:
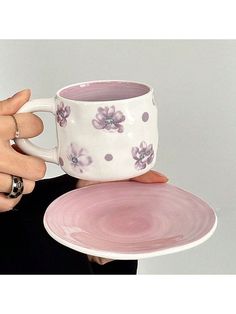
column 11, row 105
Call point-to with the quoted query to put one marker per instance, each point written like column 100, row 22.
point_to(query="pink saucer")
column 129, row 220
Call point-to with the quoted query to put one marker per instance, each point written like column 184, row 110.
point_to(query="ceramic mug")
column 106, row 130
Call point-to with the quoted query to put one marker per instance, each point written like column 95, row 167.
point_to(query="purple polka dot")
column 61, row 162
column 108, row 157
column 145, row 116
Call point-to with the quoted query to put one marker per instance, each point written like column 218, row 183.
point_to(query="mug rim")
column 105, row 101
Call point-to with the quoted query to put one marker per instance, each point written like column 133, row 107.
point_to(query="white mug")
column 106, row 130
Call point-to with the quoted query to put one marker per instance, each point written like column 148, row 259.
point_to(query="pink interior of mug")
column 104, row 91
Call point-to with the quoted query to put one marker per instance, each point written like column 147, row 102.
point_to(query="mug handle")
column 43, row 105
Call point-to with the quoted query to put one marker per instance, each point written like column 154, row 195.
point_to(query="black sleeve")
column 45, row 192
column 25, row 246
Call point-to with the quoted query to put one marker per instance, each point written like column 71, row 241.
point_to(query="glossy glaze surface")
column 124, row 220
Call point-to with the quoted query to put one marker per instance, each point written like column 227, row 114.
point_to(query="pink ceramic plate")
column 129, row 220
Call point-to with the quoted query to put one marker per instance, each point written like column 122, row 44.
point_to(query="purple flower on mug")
column 143, row 155
column 78, row 157
column 109, row 119
column 62, row 113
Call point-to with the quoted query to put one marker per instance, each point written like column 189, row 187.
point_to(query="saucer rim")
column 127, row 256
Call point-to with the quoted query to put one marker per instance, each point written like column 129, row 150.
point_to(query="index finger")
column 12, row 104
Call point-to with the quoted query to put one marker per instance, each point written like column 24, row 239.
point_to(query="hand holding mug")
column 18, row 172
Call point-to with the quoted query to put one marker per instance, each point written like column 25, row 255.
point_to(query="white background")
column 195, row 90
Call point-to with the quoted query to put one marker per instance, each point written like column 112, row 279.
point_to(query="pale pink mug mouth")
column 104, row 91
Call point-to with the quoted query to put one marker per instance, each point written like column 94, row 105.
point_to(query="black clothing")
column 26, row 247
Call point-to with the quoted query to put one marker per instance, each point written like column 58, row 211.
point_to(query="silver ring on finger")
column 17, row 187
